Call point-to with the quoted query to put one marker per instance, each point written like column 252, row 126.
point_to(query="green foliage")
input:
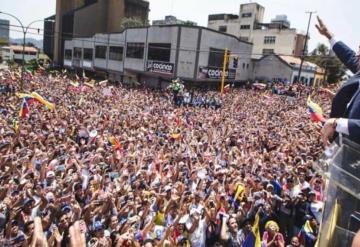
column 131, row 22
column 335, row 70
column 189, row 23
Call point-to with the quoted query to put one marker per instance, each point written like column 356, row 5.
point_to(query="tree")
column 131, row 22
column 334, row 69
column 189, row 23
column 321, row 49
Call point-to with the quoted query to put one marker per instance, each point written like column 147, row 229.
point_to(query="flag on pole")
column 253, row 238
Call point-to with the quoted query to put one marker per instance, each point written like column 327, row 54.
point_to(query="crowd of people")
column 126, row 167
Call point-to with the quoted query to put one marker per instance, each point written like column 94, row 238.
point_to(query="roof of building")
column 20, row 48
column 291, row 60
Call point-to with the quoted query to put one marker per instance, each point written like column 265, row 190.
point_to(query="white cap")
column 50, row 174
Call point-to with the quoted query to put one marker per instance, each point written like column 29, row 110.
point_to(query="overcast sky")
column 340, row 16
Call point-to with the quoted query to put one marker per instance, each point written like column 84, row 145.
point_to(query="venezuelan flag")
column 114, row 142
column 253, row 238
column 24, row 109
column 316, row 113
column 43, row 101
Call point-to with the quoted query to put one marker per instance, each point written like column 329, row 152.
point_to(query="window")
column 245, row 27
column 159, row 52
column 100, row 52
column 216, row 57
column 77, row 52
column 116, row 53
column 267, row 51
column 246, row 15
column 243, row 65
column 88, row 54
column 247, row 66
column 68, row 54
column 135, row 50
column 269, row 39
column 223, row 29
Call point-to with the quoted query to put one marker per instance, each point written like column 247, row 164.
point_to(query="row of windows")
column 224, row 28
column 267, row 51
column 269, row 40
column 156, row 51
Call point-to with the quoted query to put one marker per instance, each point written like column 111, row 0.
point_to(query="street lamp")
column 24, row 30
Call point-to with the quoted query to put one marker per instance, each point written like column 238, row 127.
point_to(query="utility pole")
column 24, row 31
column 305, row 44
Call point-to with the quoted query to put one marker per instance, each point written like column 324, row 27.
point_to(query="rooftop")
column 20, row 48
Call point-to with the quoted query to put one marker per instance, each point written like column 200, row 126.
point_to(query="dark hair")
column 27, row 224
column 148, row 241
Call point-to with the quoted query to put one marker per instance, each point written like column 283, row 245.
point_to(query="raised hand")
column 323, row 29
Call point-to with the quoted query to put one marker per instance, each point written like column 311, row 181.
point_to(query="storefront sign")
column 215, row 73
column 160, row 67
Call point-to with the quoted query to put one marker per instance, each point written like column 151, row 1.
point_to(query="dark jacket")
column 346, row 103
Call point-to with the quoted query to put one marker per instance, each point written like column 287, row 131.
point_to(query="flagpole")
column 223, row 71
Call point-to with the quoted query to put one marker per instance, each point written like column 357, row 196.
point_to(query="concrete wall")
column 272, row 67
column 284, row 45
column 163, row 34
column 101, row 40
column 211, row 39
column 117, row 40
column 187, row 54
column 137, row 35
column 233, row 26
column 90, row 20
column 299, row 44
column 116, row 11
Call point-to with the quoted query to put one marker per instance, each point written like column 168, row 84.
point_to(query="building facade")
column 4, row 31
column 157, row 54
column 48, row 40
column 81, row 18
column 274, row 37
column 15, row 53
column 286, row 68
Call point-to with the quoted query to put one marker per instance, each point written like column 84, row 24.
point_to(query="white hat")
column 50, row 174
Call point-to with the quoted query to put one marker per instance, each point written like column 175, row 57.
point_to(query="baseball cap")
column 27, row 201
column 66, row 208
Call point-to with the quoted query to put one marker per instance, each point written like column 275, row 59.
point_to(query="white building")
column 274, row 37
column 286, row 68
column 156, row 54
column 15, row 53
